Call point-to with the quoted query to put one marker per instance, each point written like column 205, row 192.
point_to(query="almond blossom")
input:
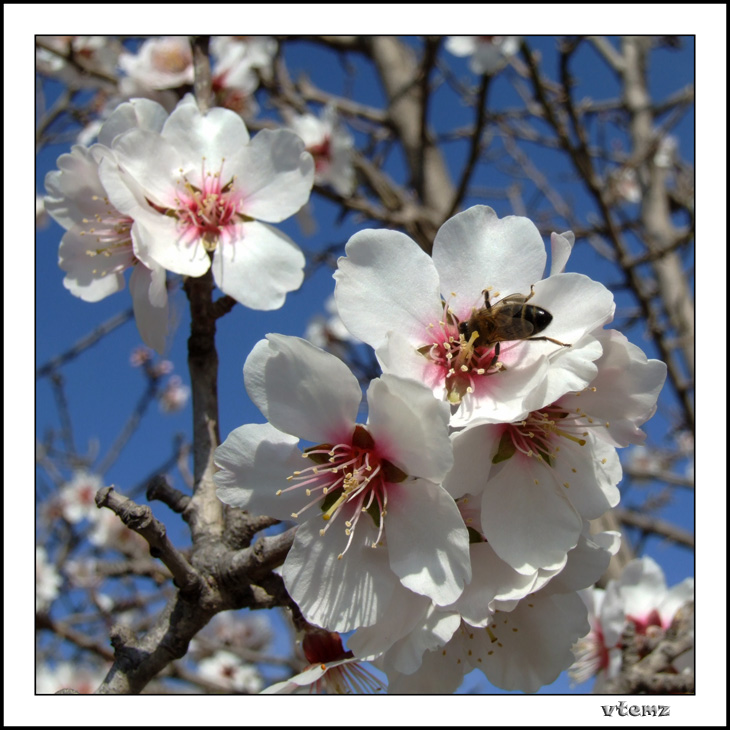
column 329, row 142
column 410, row 307
column 201, row 188
column 230, row 672
column 362, row 487
column 77, row 496
column 160, row 63
column 98, row 245
column 639, row 596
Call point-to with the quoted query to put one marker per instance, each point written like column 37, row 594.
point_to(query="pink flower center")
column 210, row 212
column 645, row 622
column 351, row 476
column 460, row 365
column 321, row 154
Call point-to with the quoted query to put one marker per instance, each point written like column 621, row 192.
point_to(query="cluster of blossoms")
column 450, row 529
column 640, row 596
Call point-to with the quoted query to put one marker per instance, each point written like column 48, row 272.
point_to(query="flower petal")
column 338, row 595
column 428, row 542
column 528, row 521
column 260, row 268
column 255, row 461
column 149, row 299
column 410, row 427
column 386, row 282
column 507, row 254
column 302, row 390
column 275, row 175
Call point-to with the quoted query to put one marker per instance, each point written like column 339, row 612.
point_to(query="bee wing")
column 510, row 323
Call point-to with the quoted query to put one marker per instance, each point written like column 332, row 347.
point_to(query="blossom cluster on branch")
column 442, row 510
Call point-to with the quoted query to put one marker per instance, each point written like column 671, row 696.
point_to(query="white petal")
column 561, row 246
column 491, row 579
column 578, row 304
column 476, row 249
column 149, row 298
column 86, row 275
column 593, row 472
column 157, row 241
column 410, row 427
column 302, row 390
column 255, row 461
column 405, row 611
column 434, row 631
column 473, row 451
column 218, row 135
column 534, row 641
column 625, row 390
column 386, row 282
column 338, row 595
column 275, row 175
column 529, row 525
column 260, row 268
column 142, row 113
column 428, row 542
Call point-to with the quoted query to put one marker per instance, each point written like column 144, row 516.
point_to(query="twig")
column 84, row 343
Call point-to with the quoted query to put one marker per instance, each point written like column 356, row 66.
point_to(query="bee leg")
column 550, row 339
column 487, row 297
column 495, row 357
column 531, row 294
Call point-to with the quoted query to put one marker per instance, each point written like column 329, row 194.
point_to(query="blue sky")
column 101, row 385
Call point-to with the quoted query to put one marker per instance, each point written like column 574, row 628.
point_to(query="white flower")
column 237, row 57
column 230, row 672
column 97, row 247
column 409, row 306
column 174, row 396
column 331, row 145
column 160, row 63
column 238, row 61
column 489, row 53
column 364, row 487
column 47, row 581
column 639, row 596
column 201, row 186
column 331, row 669
column 77, row 496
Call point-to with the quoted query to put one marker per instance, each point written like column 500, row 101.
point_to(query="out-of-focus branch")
column 655, row 526
column 83, row 344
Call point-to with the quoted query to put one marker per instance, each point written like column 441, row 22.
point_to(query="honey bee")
column 511, row 318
